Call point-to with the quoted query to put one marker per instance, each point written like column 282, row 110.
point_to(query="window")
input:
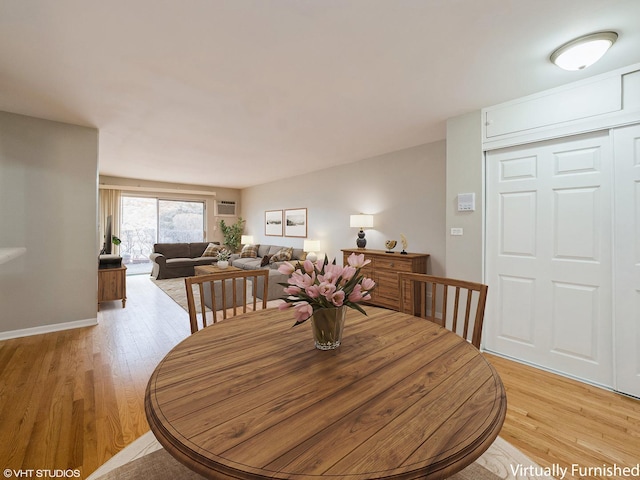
column 180, row 221
column 147, row 220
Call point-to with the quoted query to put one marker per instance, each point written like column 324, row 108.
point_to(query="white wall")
column 465, row 162
column 48, row 204
column 404, row 190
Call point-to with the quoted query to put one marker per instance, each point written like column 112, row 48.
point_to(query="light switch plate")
column 456, row 231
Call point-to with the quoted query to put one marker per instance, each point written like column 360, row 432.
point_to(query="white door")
column 627, row 259
column 549, row 255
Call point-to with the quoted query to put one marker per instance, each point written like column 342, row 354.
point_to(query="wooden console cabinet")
column 384, row 268
column 112, row 285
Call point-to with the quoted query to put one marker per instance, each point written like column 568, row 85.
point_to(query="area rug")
column 176, row 289
column 145, row 458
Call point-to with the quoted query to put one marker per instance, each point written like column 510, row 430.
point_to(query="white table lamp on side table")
column 311, row 247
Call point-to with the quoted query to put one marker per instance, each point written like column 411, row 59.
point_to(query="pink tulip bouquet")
column 314, row 286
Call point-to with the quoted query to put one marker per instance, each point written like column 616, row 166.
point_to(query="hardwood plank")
column 558, row 420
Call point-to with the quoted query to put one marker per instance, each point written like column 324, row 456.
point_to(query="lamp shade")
column 246, row 239
column 361, row 221
column 311, row 245
column 584, row 51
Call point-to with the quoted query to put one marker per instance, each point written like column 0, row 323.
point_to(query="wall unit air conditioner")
column 225, row 208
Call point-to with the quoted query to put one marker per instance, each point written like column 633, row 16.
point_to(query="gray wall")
column 465, row 164
column 404, row 190
column 48, row 204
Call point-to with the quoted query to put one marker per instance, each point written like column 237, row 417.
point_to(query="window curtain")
column 109, row 204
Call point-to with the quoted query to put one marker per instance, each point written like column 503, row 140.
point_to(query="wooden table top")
column 252, row 398
column 210, row 269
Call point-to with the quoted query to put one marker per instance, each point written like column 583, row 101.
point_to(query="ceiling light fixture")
column 584, row 51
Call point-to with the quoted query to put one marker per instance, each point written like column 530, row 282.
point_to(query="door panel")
column 549, row 255
column 627, row 246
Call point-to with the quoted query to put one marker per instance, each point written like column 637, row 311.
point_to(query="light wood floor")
column 71, row 400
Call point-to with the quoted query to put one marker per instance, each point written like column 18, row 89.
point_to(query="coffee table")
column 212, row 269
column 253, row 399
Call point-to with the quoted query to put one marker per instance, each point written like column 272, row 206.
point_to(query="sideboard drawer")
column 391, row 263
column 384, row 268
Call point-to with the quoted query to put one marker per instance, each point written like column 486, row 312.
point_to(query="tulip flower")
column 323, row 285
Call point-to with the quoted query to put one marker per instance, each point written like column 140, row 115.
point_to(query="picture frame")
column 295, row 223
column 273, row 223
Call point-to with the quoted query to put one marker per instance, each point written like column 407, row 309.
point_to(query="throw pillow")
column 283, row 255
column 265, row 260
column 212, row 250
column 249, row 251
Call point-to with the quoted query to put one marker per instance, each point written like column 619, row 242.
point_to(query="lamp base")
column 361, row 242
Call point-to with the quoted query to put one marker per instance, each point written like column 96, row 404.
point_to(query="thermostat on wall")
column 466, row 202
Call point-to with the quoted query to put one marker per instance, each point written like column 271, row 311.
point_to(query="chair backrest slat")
column 413, row 292
column 221, row 286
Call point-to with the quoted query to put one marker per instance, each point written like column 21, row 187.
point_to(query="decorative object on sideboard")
column 311, row 247
column 404, row 242
column 390, row 244
column 361, row 221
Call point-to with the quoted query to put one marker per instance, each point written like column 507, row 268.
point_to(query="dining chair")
column 225, row 292
column 456, row 305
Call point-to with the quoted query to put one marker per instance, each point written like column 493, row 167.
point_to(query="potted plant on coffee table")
column 223, row 258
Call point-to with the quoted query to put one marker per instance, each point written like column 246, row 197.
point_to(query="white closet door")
column 549, row 256
column 627, row 258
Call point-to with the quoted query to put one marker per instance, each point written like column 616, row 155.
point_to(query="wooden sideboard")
column 112, row 285
column 384, row 268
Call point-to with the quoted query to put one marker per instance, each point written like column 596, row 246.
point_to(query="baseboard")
column 56, row 327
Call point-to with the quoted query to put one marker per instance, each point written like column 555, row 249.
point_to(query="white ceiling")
column 235, row 93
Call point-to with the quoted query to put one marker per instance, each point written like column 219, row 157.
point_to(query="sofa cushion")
column 249, row 251
column 247, row 263
column 172, row 250
column 196, row 249
column 180, row 262
column 282, row 255
column 265, row 260
column 264, row 250
column 212, row 250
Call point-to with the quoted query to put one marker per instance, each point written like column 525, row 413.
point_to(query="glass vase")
column 327, row 325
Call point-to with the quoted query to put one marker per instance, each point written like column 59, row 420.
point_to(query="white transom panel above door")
column 549, row 255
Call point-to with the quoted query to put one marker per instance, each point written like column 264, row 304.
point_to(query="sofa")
column 172, row 260
column 253, row 257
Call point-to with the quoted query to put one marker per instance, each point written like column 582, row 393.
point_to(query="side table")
column 112, row 285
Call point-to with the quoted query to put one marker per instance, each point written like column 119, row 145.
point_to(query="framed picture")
column 295, row 223
column 273, row 223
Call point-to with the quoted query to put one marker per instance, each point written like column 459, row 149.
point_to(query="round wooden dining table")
column 252, row 398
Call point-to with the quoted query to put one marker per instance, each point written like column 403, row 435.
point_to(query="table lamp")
column 246, row 239
column 361, row 221
column 311, row 247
